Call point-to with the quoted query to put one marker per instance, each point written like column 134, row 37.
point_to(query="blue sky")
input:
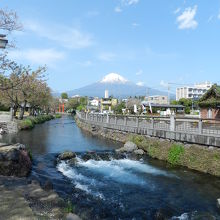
column 150, row 42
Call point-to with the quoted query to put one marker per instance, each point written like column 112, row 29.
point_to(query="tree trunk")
column 15, row 110
column 21, row 116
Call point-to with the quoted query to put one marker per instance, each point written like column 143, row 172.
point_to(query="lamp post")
column 3, row 41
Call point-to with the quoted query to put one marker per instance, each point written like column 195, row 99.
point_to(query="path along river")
column 116, row 188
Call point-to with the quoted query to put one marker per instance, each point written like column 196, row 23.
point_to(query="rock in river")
column 139, row 152
column 128, row 147
column 14, row 160
column 67, row 155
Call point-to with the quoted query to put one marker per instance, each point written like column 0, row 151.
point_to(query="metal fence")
column 172, row 123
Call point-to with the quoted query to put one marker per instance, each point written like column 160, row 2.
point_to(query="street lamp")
column 3, row 41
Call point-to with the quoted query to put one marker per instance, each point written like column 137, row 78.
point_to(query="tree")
column 118, row 108
column 64, row 95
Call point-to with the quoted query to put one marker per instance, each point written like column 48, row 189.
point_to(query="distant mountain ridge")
column 117, row 86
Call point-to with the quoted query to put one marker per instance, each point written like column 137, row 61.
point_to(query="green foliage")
column 64, row 95
column 188, row 103
column 58, row 116
column 118, row 108
column 4, row 107
column 26, row 124
column 81, row 107
column 69, row 207
column 175, row 153
column 29, row 123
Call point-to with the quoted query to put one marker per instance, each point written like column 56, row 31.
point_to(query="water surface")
column 116, row 188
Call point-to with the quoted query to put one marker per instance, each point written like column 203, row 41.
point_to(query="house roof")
column 211, row 98
column 162, row 105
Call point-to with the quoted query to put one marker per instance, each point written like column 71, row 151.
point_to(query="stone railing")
column 202, row 131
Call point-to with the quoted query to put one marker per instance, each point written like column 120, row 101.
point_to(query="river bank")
column 22, row 198
column 30, row 122
column 196, row 157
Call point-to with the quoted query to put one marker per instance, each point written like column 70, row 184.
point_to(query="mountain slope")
column 117, row 86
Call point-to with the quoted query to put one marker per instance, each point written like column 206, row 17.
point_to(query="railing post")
column 86, row 116
column 152, row 123
column 200, row 126
column 107, row 118
column 125, row 120
column 116, row 119
column 137, row 121
column 172, row 123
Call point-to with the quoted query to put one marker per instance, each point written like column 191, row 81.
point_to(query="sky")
column 149, row 42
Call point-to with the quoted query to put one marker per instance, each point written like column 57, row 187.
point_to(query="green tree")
column 118, row 108
column 64, row 95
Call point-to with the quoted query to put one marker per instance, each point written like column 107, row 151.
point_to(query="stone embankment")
column 23, row 198
column 196, row 157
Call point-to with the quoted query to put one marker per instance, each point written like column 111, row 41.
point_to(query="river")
column 116, row 188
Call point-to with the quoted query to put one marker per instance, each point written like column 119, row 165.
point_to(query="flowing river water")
column 113, row 187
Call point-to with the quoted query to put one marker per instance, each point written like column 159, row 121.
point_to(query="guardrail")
column 208, row 127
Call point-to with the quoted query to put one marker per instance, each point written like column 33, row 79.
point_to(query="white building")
column 158, row 99
column 193, row 92
column 106, row 94
column 94, row 102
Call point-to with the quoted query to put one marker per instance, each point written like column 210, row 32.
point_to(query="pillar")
column 172, row 123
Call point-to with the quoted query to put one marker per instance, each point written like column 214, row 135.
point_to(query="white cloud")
column 187, row 19
column 86, row 63
column 140, row 83
column 130, row 2
column 68, row 37
column 134, row 24
column 125, row 3
column 106, row 56
column 38, row 56
column 163, row 83
column 139, row 72
column 118, row 9
column 219, row 15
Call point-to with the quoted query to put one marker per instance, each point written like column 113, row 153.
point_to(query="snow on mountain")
column 113, row 78
column 117, row 86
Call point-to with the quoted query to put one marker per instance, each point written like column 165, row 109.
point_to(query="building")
column 210, row 103
column 106, row 94
column 162, row 109
column 94, row 102
column 158, row 99
column 107, row 103
column 193, row 92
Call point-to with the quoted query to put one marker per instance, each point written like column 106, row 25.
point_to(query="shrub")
column 58, row 116
column 175, row 153
column 26, row 124
column 29, row 122
column 69, row 207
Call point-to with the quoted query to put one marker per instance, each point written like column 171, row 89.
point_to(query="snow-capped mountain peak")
column 113, row 78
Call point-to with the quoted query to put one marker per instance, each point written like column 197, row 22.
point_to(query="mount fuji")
column 118, row 87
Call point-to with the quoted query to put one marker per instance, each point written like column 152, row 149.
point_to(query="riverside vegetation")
column 196, row 157
column 31, row 121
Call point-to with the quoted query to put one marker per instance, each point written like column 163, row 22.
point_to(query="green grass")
column 30, row 122
column 57, row 115
column 175, row 153
column 69, row 207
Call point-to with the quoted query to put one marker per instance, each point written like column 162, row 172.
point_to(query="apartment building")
column 193, row 92
column 157, row 99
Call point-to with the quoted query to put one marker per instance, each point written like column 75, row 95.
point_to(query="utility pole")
column 147, row 93
column 168, row 93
